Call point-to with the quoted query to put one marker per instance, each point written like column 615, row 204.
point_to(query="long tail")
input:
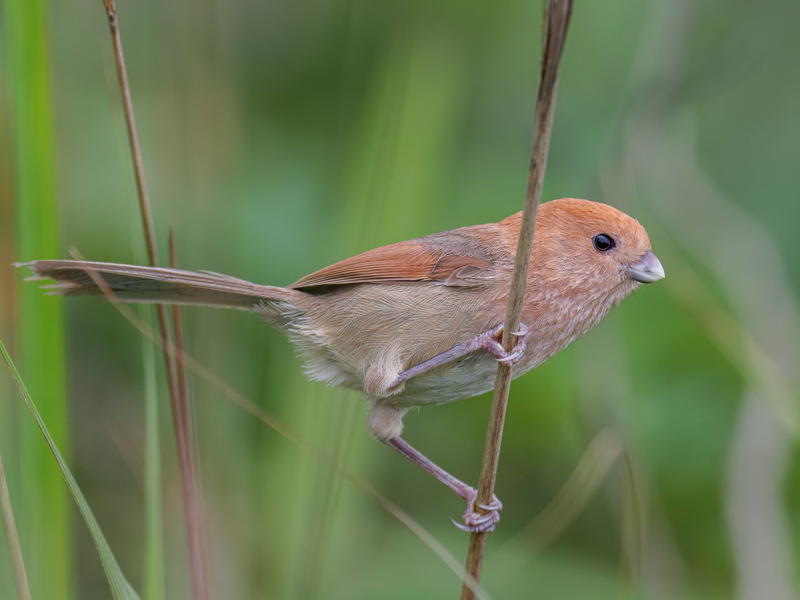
column 157, row 285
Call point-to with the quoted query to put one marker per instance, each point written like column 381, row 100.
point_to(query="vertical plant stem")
column 18, row 565
column 177, row 324
column 44, row 516
column 557, row 15
column 194, row 507
column 180, row 416
column 133, row 136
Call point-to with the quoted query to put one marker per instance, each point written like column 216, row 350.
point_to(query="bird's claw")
column 495, row 347
column 513, row 356
column 521, row 332
column 475, row 522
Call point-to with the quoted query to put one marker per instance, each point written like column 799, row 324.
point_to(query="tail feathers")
column 158, row 285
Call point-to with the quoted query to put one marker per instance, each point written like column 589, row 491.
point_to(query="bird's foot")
column 476, row 522
column 493, row 343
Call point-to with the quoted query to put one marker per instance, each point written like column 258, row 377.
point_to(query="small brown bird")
column 405, row 322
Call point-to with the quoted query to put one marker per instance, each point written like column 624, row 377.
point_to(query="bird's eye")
column 603, row 242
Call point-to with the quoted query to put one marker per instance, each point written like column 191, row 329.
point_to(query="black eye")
column 603, row 242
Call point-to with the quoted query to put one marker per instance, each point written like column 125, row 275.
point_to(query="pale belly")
column 369, row 339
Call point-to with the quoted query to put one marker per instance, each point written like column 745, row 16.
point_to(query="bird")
column 419, row 322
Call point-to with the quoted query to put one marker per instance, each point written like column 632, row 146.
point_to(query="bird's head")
column 592, row 252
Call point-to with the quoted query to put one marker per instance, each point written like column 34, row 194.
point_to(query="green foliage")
column 280, row 137
column 43, row 515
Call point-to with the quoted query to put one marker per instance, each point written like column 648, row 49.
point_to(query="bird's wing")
column 411, row 261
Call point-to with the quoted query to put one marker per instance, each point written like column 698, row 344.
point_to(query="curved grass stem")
column 557, row 17
column 181, row 419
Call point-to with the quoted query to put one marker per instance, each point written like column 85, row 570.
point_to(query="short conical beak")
column 647, row 270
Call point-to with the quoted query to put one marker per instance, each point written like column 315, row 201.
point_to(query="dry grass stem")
column 557, row 16
column 12, row 537
column 196, row 530
column 180, row 414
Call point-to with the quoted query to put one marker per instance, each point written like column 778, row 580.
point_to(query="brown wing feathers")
column 404, row 261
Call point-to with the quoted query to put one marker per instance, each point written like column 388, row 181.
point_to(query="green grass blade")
column 20, row 575
column 120, row 587
column 44, row 517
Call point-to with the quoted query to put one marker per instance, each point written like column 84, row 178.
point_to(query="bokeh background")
column 279, row 137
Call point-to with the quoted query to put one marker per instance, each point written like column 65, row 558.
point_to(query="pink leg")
column 473, row 521
column 488, row 341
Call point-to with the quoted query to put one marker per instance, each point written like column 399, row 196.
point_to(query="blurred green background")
column 279, row 137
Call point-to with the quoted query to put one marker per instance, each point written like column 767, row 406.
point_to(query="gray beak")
column 647, row 270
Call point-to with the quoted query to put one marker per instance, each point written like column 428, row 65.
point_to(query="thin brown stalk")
column 180, row 416
column 177, row 326
column 557, row 15
column 194, row 507
column 12, row 537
